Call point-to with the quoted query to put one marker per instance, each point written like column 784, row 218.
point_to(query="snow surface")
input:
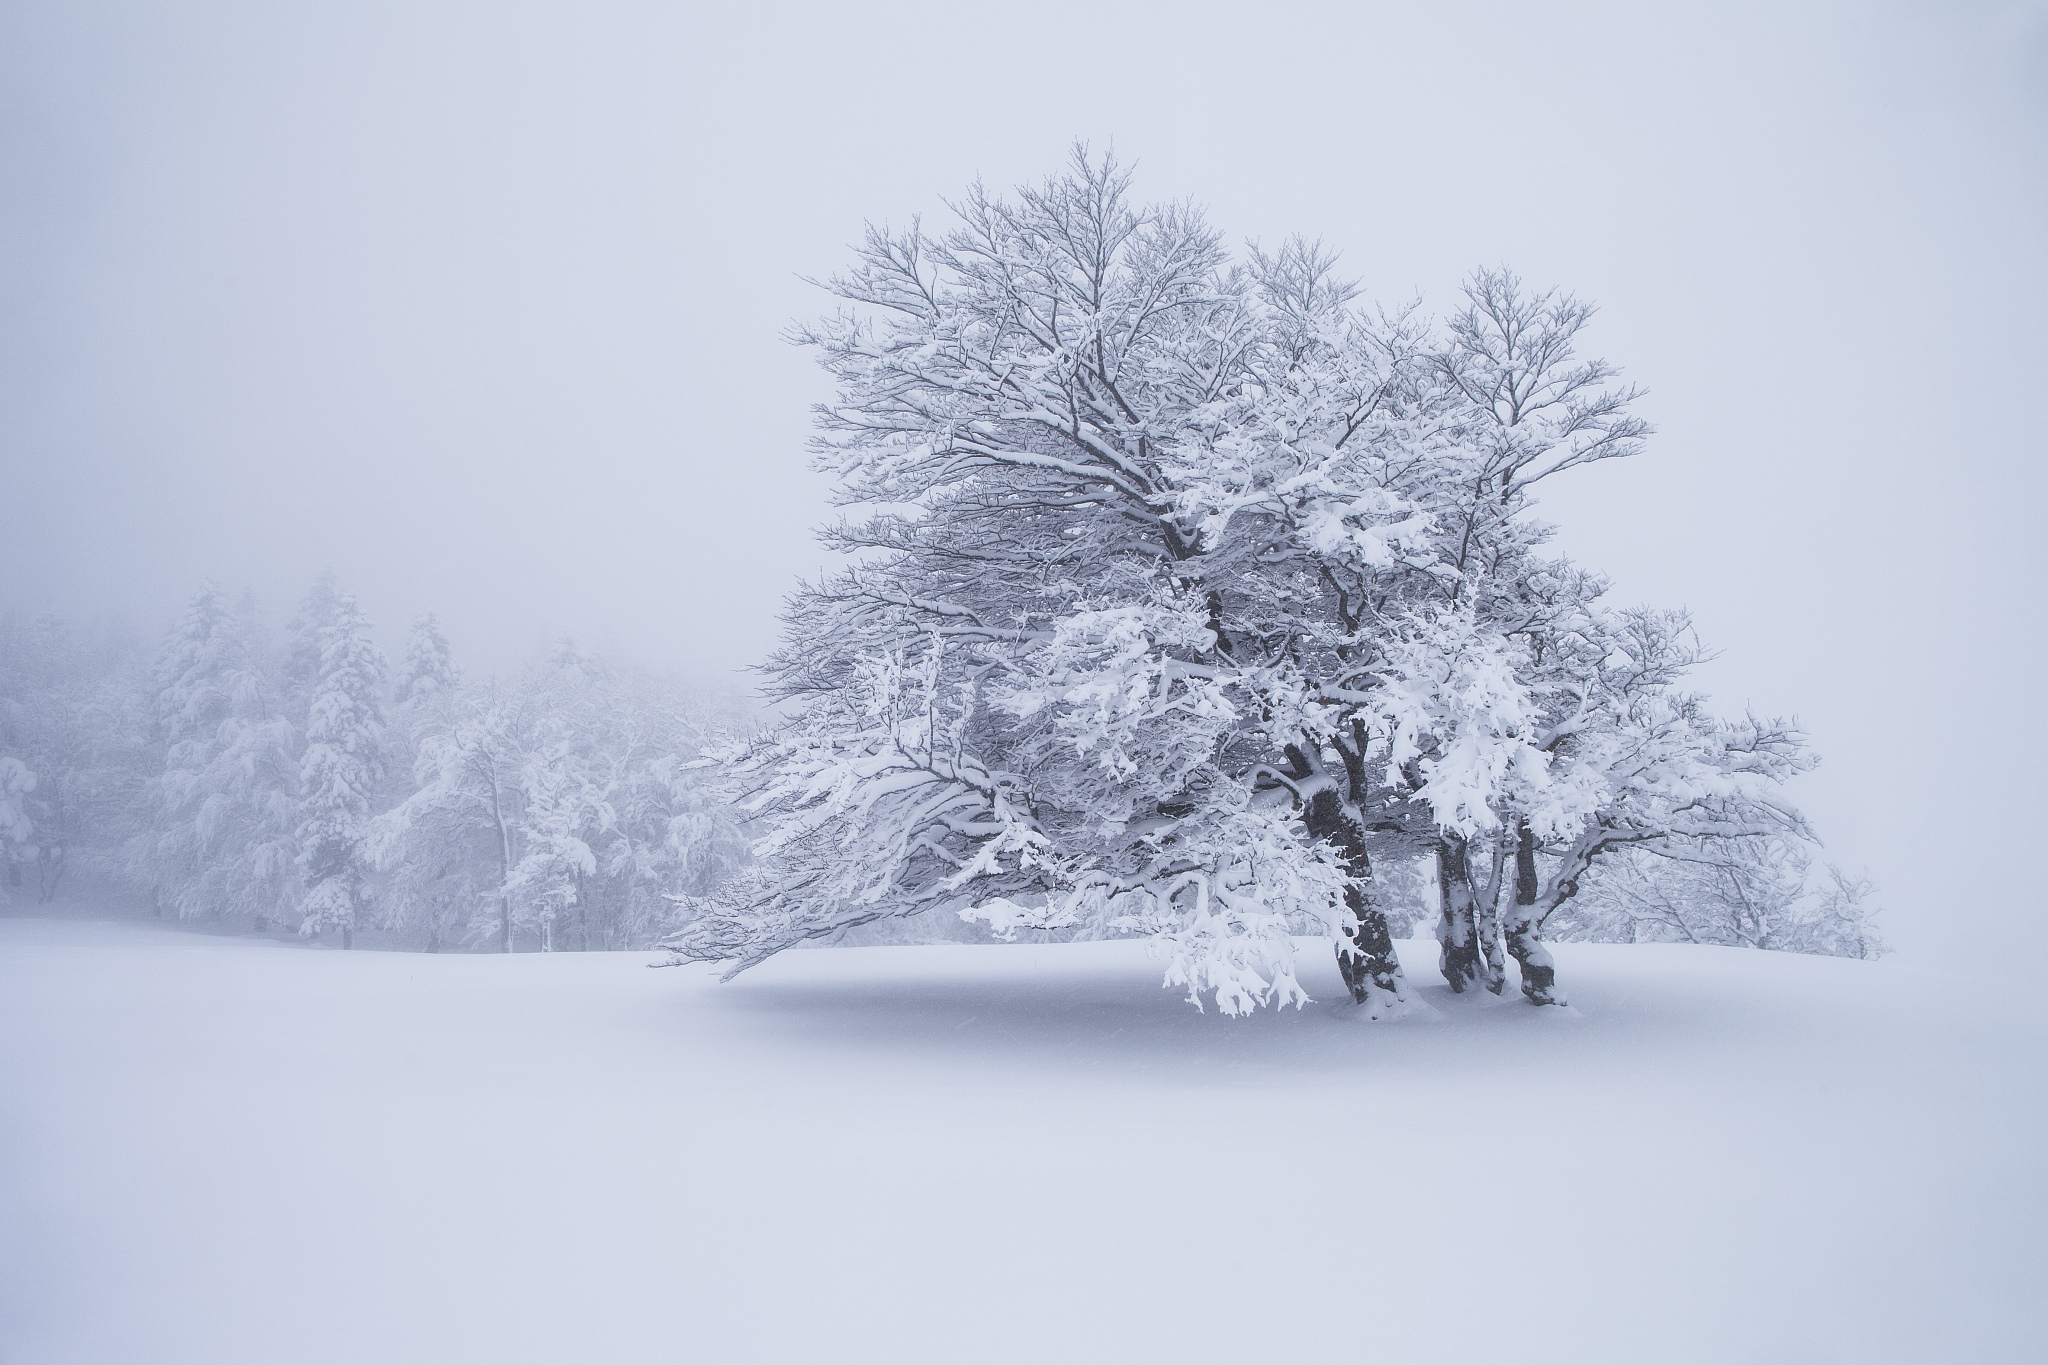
column 228, row 1151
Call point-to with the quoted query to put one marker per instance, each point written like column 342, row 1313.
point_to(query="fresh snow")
column 231, row 1150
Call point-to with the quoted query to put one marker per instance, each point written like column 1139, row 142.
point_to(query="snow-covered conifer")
column 72, row 709
column 17, row 831
column 341, row 770
column 429, row 666
column 305, row 639
column 221, row 838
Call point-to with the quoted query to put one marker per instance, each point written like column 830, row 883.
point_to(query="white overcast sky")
column 479, row 305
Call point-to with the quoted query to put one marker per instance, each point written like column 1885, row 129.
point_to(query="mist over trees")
column 298, row 784
column 1193, row 596
column 1190, row 589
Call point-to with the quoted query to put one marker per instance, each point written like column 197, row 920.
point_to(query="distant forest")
column 306, row 783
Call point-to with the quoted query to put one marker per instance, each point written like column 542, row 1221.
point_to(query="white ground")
column 224, row 1151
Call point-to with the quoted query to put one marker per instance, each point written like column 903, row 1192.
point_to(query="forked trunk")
column 1457, row 936
column 1539, row 969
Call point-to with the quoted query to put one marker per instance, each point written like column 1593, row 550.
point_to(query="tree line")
column 1192, row 596
column 308, row 784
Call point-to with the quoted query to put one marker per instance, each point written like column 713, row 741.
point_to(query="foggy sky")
column 479, row 305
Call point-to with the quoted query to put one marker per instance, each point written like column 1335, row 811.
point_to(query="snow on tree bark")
column 1457, row 930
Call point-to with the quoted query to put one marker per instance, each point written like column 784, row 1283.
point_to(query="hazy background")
column 479, row 305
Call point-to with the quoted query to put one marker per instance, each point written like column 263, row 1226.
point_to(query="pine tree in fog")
column 72, row 711
column 17, row 831
column 221, row 841
column 305, row 641
column 341, row 771
column 429, row 669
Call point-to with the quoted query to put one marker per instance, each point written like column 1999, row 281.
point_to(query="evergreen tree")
column 429, row 667
column 305, row 639
column 72, row 710
column 220, row 842
column 17, row 831
column 341, row 771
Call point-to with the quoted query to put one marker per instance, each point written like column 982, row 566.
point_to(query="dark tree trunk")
column 1366, row 958
column 433, row 938
column 1457, row 935
column 1539, row 969
column 348, row 937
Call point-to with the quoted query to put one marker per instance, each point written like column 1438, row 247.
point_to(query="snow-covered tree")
column 1759, row 892
column 429, row 666
column 1185, row 584
column 305, row 640
column 1579, row 745
column 71, row 712
column 221, row 840
column 557, row 807
column 340, row 772
column 17, row 831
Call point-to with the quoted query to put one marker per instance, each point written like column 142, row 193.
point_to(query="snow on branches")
column 1185, row 582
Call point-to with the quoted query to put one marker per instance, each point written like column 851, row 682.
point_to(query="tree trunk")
column 1493, row 964
column 1366, row 957
column 1539, row 969
column 348, row 937
column 1457, row 936
column 504, row 867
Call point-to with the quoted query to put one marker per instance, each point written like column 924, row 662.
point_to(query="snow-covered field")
column 220, row 1150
